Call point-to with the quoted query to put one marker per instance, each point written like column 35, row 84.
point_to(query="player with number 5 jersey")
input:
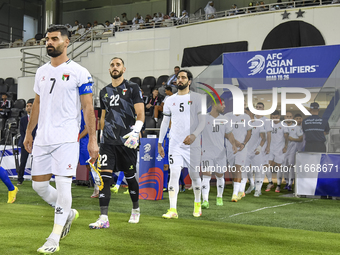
column 183, row 109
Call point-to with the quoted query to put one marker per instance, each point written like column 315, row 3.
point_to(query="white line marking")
column 269, row 207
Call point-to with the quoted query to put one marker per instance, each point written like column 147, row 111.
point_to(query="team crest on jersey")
column 189, row 102
column 279, row 127
column 254, row 127
column 65, row 77
column 124, row 91
column 242, row 120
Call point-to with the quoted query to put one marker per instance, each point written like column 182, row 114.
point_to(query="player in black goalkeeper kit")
column 121, row 121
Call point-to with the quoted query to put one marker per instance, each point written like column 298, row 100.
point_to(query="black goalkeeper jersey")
column 120, row 112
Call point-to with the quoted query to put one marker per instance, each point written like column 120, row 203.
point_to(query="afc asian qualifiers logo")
column 257, row 64
column 147, row 148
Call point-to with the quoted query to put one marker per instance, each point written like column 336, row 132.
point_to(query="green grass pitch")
column 270, row 224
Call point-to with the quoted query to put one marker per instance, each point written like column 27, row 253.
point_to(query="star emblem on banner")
column 285, row 15
column 300, row 13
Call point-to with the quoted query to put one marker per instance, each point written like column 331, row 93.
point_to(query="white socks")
column 220, row 185
column 205, row 187
column 174, row 186
column 63, row 205
column 46, row 192
column 236, row 189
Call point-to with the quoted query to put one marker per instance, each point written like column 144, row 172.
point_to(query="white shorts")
column 218, row 165
column 265, row 157
column 59, row 159
column 277, row 157
column 240, row 157
column 187, row 158
column 254, row 160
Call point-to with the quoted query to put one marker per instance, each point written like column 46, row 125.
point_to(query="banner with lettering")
column 294, row 67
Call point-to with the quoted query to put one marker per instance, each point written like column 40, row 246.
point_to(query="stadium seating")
column 136, row 80
column 3, row 88
column 149, row 123
column 13, row 91
column 161, row 79
column 10, row 81
column 148, row 84
column 2, row 81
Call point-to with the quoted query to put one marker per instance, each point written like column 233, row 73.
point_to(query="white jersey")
column 268, row 128
column 278, row 138
column 59, row 113
column 213, row 136
column 184, row 111
column 294, row 132
column 239, row 125
column 255, row 139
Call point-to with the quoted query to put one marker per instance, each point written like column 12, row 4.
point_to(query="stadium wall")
column 156, row 51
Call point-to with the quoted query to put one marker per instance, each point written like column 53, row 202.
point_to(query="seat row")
column 150, row 82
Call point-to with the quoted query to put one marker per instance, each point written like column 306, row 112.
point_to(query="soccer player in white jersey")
column 266, row 147
column 183, row 109
column 62, row 87
column 242, row 134
column 298, row 119
column 214, row 152
column 295, row 136
column 254, row 154
column 278, row 146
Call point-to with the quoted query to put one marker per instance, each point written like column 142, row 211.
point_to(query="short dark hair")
column 58, row 28
column 189, row 74
column 107, row 21
column 168, row 88
column 117, row 58
column 276, row 112
column 297, row 115
column 260, row 103
column 177, row 67
column 314, row 106
column 30, row 101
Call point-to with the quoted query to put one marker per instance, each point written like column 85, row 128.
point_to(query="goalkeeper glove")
column 133, row 136
column 132, row 139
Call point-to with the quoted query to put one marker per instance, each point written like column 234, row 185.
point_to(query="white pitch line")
column 269, row 207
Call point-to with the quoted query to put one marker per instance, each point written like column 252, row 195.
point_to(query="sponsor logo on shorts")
column 59, row 210
column 69, row 167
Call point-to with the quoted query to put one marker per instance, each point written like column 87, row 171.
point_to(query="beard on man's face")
column 115, row 74
column 54, row 52
column 182, row 86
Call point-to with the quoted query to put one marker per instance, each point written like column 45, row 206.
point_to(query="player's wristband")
column 243, row 144
column 138, row 126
